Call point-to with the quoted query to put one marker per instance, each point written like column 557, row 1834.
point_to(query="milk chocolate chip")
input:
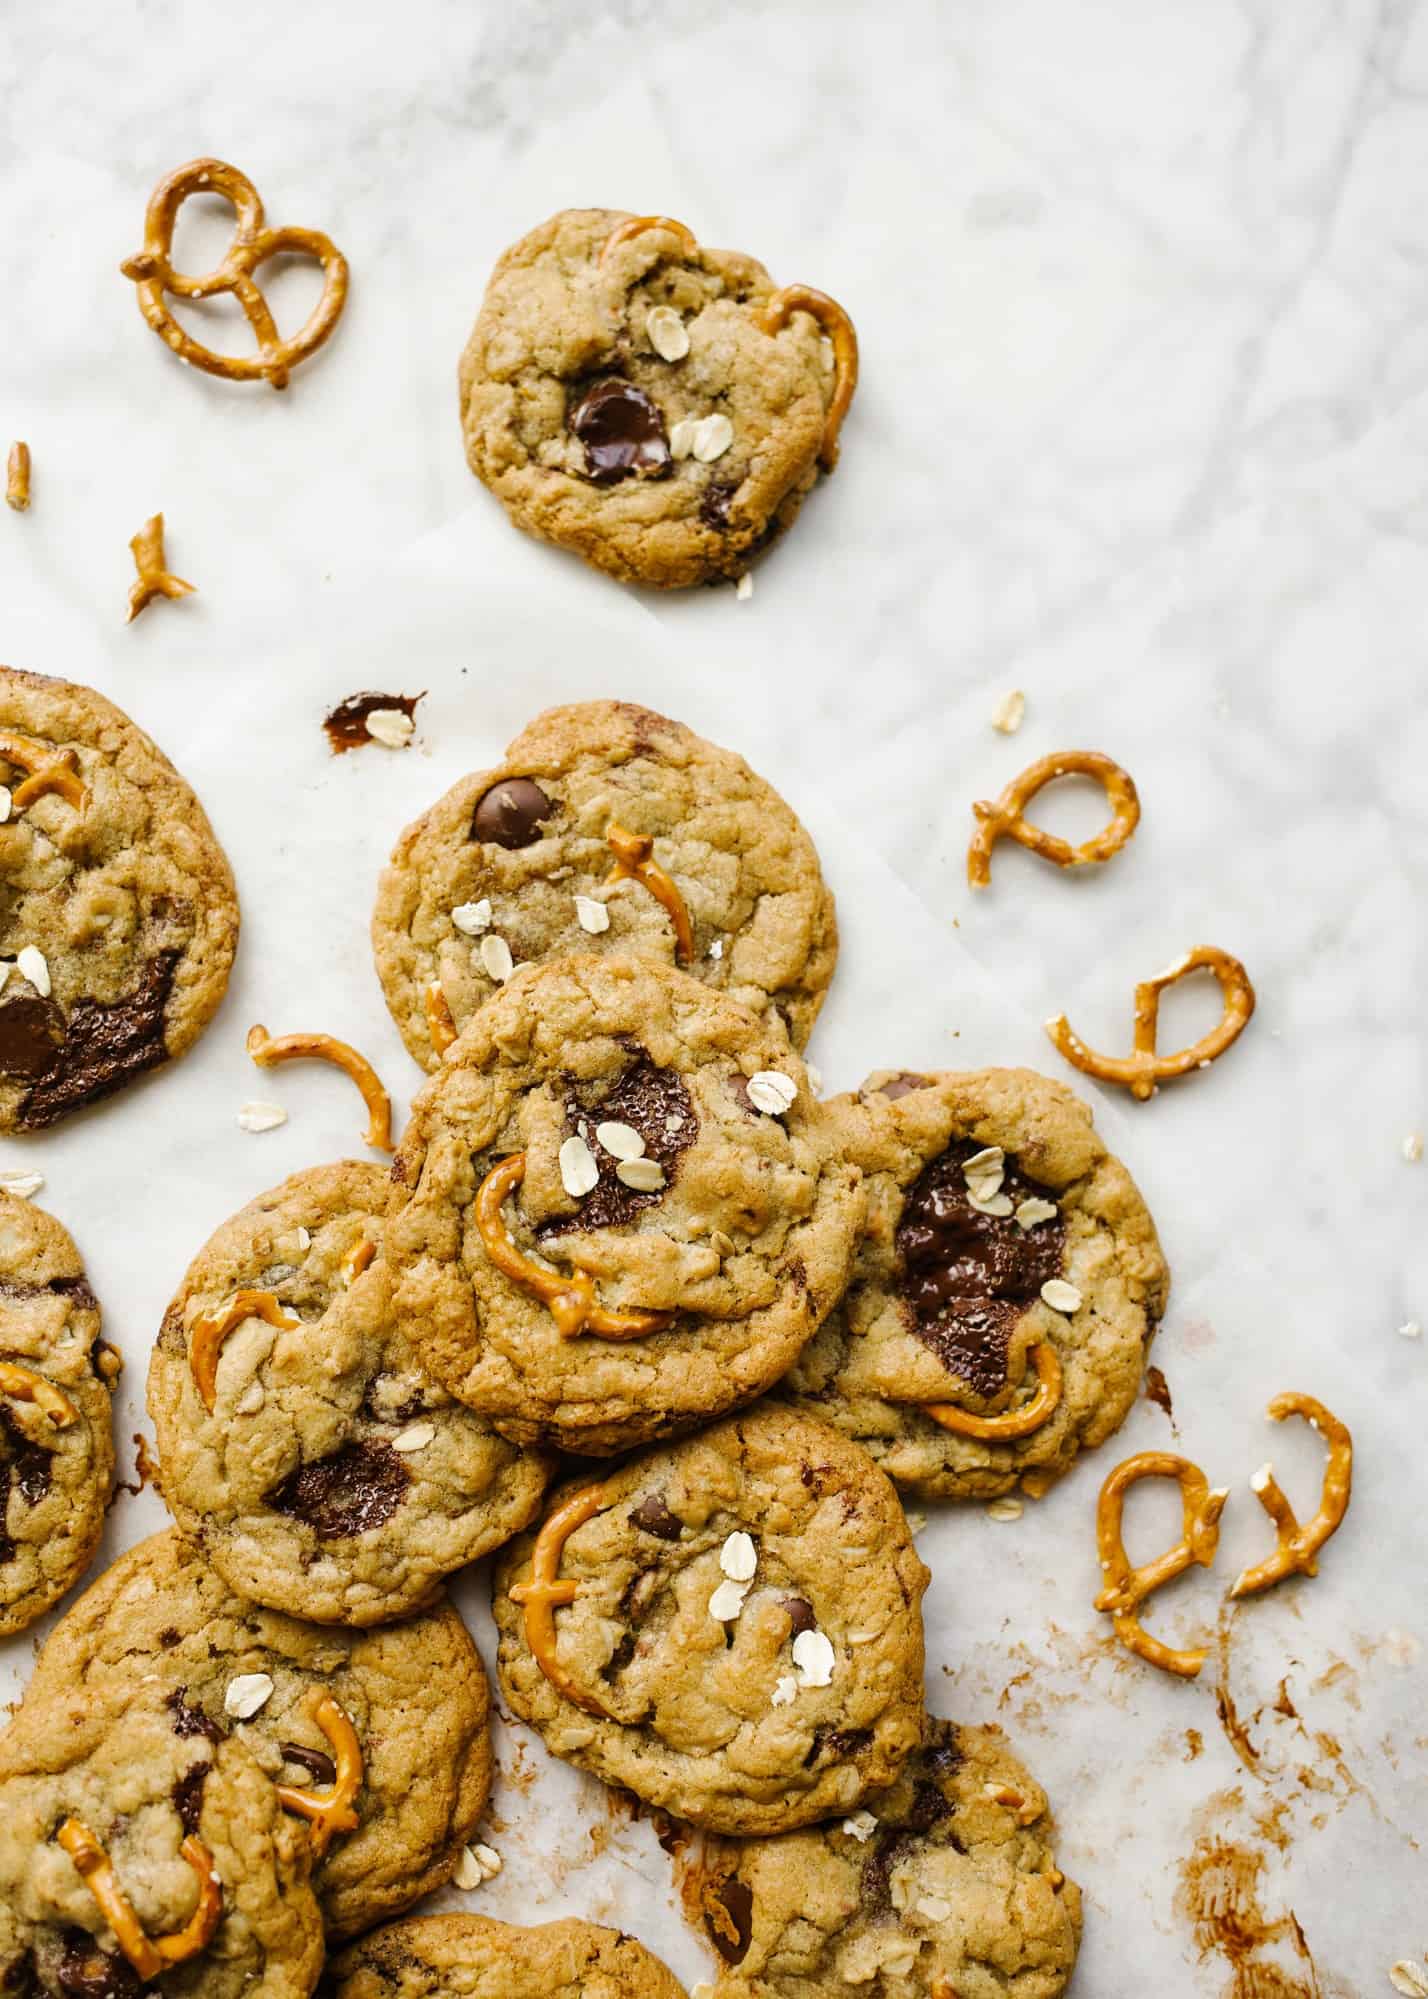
column 509, row 814
column 654, row 1516
column 623, row 433
column 357, row 1488
column 729, row 1917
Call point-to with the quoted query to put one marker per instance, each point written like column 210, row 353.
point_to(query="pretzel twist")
column 839, row 328
column 210, row 1332
column 148, row 1955
column 1141, row 1070
column 22, row 1384
column 1005, row 816
column 571, row 1301
column 634, row 861
column 636, row 225
column 48, row 769
column 1298, row 1547
column 253, row 244
column 1126, row 1587
column 155, row 580
column 330, row 1809
column 539, row 1597
column 440, row 1027
column 268, row 1049
column 1013, row 1422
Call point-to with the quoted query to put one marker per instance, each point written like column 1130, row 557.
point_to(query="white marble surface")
column 1141, row 293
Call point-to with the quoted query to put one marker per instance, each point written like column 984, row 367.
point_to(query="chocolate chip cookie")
column 730, row 1629
column 414, row 1695
column 1007, row 1285
column 132, row 1848
column 471, row 1957
column 653, row 405
column 304, row 1447
column 541, row 856
column 624, row 1212
column 943, row 1884
column 56, row 1447
column 120, row 917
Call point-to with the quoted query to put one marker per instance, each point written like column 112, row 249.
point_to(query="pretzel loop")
column 1126, row 1587
column 1013, row 1422
column 571, row 1301
column 1142, row 1069
column 267, row 1050
column 330, row 1809
column 636, row 225
column 1298, row 1547
column 209, row 1333
column 253, row 244
column 48, row 769
column 839, row 328
column 22, row 1384
column 540, row 1596
column 148, row 1955
column 1006, row 815
column 634, row 861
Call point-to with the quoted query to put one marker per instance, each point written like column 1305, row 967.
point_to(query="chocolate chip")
column 187, row 1795
column 104, row 1046
column 357, row 1488
column 714, row 507
column 190, row 1721
column 654, row 1517
column 729, row 1917
column 346, row 726
column 320, row 1768
column 510, row 813
column 800, row 1615
column 84, row 1971
column 622, row 431
column 653, row 1102
column 31, row 1036
column 902, row 1085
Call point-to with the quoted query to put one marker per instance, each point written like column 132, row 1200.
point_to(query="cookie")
column 659, row 471
column 624, row 1213
column 120, row 918
column 126, row 1838
column 739, row 1638
column 519, row 864
column 56, row 1446
column 331, row 1477
column 943, row 1884
column 414, row 1693
column 1009, row 1273
column 471, row 1957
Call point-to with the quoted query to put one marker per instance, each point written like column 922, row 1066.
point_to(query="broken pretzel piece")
column 1126, row 1587
column 148, row 1955
column 839, row 328
column 209, row 1333
column 22, row 1384
column 268, row 1049
column 636, row 225
column 331, row 1808
column 540, row 1596
column 17, row 477
column 1012, row 1422
column 1298, row 1547
column 154, row 579
column 49, row 770
column 1141, row 1070
column 440, row 1027
column 634, row 861
column 1005, row 816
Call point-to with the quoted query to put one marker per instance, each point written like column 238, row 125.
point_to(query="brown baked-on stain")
column 1194, row 1744
column 1219, row 1894
column 1157, row 1390
column 346, row 726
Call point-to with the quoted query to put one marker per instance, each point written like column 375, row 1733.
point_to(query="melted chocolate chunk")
column 654, row 1517
column 347, row 727
column 31, row 1036
column 190, row 1721
column 510, row 813
column 319, row 1767
column 187, row 1795
column 24, row 1468
column 357, row 1488
column 76, row 1288
column 714, row 507
column 622, row 431
column 104, row 1047
column 21, row 1978
column 653, row 1102
column 901, row 1085
column 85, row 1971
column 968, row 1276
column 800, row 1615
column 729, row 1917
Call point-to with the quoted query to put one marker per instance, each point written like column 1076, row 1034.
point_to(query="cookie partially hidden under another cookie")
column 471, row 1957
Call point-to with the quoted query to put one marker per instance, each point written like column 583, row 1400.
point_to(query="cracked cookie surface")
column 56, row 1456
column 333, row 1477
column 946, row 1303
column 521, row 854
column 734, row 1225
column 472, row 1957
column 746, row 1626
column 120, row 917
column 943, row 1884
column 568, row 410
column 414, row 1692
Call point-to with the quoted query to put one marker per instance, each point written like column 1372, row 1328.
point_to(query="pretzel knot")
column 210, row 1332
column 1127, row 1588
column 1299, row 1547
column 330, row 1808
column 253, row 244
column 540, row 1596
column 634, row 861
column 571, row 1301
column 268, row 1049
column 22, row 1384
column 1142, row 1069
column 1005, row 816
column 148, row 1955
column 1012, row 1422
column 49, row 770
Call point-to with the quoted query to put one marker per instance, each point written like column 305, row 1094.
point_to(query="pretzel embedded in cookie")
column 539, row 1597
column 358, row 1259
column 148, row 1955
column 155, row 579
column 22, row 1384
column 440, row 1027
column 634, row 861
column 1126, row 1587
column 1013, row 1422
column 1005, row 816
column 211, row 1331
column 1141, row 1070
column 571, row 1301
column 268, row 1049
column 331, row 1808
column 636, row 225
column 839, row 328
column 253, row 244
column 48, row 769
column 1298, row 1547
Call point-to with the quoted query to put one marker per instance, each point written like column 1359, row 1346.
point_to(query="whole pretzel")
column 1005, row 815
column 1298, row 1547
column 839, row 328
column 1014, row 1422
column 636, row 225
column 22, row 1384
column 253, row 244
column 148, row 1955
column 267, row 1050
column 634, row 861
column 1142, row 1069
column 330, row 1809
column 571, row 1301
column 209, row 1334
column 539, row 1597
column 440, row 1027
column 49, row 770
column 1127, row 1588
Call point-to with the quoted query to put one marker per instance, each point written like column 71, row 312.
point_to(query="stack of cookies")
column 620, row 1228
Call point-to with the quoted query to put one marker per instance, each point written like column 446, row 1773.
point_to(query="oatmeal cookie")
column 516, row 865
column 471, row 1957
